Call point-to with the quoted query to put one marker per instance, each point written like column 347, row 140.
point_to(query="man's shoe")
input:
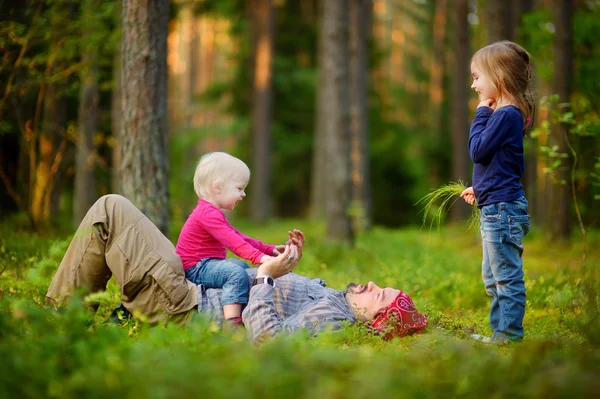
column 119, row 315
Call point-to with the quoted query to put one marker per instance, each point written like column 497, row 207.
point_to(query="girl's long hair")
column 508, row 66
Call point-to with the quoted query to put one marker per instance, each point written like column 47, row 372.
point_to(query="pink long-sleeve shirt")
column 207, row 234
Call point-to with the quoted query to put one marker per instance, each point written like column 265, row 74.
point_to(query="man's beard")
column 351, row 288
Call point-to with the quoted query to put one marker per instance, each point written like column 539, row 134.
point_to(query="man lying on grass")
column 115, row 238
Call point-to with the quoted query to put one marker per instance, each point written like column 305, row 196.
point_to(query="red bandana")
column 400, row 318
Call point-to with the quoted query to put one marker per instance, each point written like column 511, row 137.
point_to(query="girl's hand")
column 278, row 250
column 296, row 238
column 488, row 102
column 468, row 195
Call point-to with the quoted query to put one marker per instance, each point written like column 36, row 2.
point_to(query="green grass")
column 438, row 202
column 61, row 354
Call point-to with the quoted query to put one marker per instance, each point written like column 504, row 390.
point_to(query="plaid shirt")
column 294, row 303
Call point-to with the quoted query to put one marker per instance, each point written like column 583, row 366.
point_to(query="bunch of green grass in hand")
column 445, row 196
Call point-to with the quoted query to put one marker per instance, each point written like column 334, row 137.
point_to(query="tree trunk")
column 519, row 8
column 359, row 29
column 49, row 156
column 85, row 176
column 317, row 189
column 144, row 154
column 337, row 121
column 500, row 20
column 460, row 104
column 115, row 115
column 530, row 179
column 262, row 17
column 437, row 72
column 559, row 200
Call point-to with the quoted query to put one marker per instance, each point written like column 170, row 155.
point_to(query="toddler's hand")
column 278, row 250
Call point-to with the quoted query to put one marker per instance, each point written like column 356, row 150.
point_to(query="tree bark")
column 558, row 195
column 85, row 176
column 437, row 72
column 317, row 189
column 460, row 103
column 262, row 17
column 115, row 115
column 144, row 154
column 337, row 123
column 359, row 30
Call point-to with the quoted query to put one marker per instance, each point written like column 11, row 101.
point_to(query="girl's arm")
column 488, row 132
column 216, row 224
column 261, row 246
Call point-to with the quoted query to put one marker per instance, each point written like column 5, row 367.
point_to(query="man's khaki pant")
column 115, row 238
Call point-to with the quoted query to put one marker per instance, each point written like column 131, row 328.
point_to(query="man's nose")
column 371, row 286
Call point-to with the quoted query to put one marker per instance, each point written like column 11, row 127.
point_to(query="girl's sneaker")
column 481, row 338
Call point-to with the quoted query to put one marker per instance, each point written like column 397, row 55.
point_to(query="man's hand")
column 280, row 265
column 468, row 195
column 266, row 258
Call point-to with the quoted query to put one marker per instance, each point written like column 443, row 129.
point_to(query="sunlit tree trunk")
column 49, row 155
column 337, row 121
column 85, row 177
column 360, row 27
column 49, row 141
column 144, row 163
column 436, row 90
column 558, row 195
column 460, row 103
column 262, row 17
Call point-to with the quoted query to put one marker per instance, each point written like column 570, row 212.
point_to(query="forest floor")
column 44, row 353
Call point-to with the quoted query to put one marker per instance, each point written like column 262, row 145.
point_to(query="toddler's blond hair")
column 217, row 166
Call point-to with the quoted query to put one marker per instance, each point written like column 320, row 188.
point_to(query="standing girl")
column 501, row 77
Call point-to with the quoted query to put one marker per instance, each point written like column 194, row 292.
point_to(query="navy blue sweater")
column 496, row 148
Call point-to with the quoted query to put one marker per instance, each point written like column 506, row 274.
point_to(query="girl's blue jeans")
column 228, row 274
column 503, row 226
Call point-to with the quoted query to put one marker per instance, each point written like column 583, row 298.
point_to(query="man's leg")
column 84, row 265
column 116, row 238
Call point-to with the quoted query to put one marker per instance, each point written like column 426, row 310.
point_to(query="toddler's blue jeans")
column 503, row 226
column 228, row 274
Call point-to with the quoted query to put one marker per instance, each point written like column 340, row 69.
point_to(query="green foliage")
column 562, row 113
column 73, row 358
